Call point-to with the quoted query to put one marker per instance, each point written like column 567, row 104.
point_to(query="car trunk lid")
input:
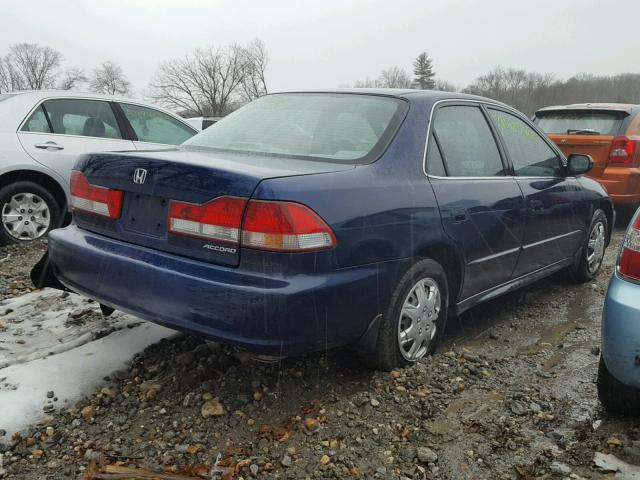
column 152, row 180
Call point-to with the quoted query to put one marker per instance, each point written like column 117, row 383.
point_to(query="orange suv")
column 610, row 133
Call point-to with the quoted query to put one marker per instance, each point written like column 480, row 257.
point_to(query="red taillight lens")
column 267, row 225
column 629, row 261
column 285, row 227
column 102, row 201
column 217, row 220
column 622, row 150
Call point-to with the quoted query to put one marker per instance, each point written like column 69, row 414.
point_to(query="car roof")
column 21, row 102
column 622, row 107
column 407, row 93
column 40, row 94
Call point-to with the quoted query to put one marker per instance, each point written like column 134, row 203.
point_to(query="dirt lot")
column 510, row 395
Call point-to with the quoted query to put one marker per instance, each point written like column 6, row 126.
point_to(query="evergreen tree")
column 423, row 70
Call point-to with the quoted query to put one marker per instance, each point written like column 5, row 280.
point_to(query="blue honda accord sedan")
column 619, row 369
column 305, row 221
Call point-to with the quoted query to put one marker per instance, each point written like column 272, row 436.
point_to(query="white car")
column 43, row 132
column 202, row 123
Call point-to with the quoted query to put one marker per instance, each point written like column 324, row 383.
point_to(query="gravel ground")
column 15, row 264
column 510, row 395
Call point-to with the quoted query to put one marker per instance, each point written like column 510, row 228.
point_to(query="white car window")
column 87, row 118
column 37, row 122
column 156, row 127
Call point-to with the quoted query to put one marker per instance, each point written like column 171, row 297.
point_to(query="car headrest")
column 93, row 127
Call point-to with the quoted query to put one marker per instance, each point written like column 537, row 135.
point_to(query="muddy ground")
column 510, row 395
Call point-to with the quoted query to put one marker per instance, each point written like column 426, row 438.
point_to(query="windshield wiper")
column 582, row 131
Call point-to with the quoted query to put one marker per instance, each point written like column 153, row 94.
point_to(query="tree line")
column 524, row 90
column 206, row 82
column 529, row 91
column 213, row 81
column 396, row 77
column 29, row 66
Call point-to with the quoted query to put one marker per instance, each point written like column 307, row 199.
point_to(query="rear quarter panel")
column 379, row 212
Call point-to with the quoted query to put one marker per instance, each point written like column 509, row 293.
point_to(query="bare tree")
column 254, row 83
column 529, row 91
column 31, row 66
column 210, row 81
column 72, row 78
column 109, row 79
column 366, row 83
column 6, row 77
column 444, row 85
column 394, row 77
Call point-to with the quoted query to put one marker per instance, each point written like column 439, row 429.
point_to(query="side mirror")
column 579, row 164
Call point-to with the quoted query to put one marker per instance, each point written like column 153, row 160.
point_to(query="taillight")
column 217, row 220
column 629, row 261
column 102, row 201
column 285, row 227
column 622, row 150
column 266, row 225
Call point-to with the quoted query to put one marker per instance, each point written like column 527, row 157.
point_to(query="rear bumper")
column 621, row 331
column 623, row 184
column 285, row 315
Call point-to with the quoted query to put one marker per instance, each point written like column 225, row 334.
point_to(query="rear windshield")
column 4, row 96
column 587, row 122
column 344, row 128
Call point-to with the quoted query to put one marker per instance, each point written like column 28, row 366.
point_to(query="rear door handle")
column 49, row 145
column 459, row 215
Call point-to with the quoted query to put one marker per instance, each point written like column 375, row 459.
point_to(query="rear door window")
column 85, row 118
column 468, row 147
column 530, row 154
column 435, row 163
column 152, row 126
column 582, row 122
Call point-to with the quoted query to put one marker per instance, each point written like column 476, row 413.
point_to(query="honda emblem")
column 139, row 176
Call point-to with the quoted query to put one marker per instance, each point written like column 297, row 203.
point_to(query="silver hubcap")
column 595, row 247
column 418, row 319
column 26, row 216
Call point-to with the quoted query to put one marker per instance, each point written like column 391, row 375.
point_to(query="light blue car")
column 619, row 369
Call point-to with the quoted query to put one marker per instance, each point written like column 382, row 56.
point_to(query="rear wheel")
column 615, row 396
column 415, row 319
column 593, row 249
column 27, row 212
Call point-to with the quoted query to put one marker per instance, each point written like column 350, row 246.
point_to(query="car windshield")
column 583, row 122
column 345, row 128
column 4, row 96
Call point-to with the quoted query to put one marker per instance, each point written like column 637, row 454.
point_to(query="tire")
column 427, row 278
column 25, row 194
column 586, row 270
column 615, row 396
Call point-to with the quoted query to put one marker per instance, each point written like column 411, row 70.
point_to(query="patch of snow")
column 611, row 463
column 50, row 341
column 70, row 374
column 47, row 322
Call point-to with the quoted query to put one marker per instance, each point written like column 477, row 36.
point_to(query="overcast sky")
column 331, row 43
